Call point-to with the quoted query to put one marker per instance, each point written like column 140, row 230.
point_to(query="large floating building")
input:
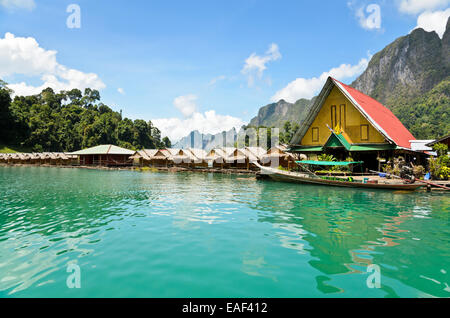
column 345, row 122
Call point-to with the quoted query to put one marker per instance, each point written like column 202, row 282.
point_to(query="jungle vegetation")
column 69, row 121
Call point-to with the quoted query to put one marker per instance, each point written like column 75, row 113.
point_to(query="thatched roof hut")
column 142, row 154
column 279, row 156
column 182, row 156
column 228, row 150
column 14, row 156
column 35, row 156
column 256, row 152
column 199, row 154
column 152, row 156
column 216, row 155
column 238, row 155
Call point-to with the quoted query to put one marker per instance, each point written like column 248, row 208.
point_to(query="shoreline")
column 141, row 169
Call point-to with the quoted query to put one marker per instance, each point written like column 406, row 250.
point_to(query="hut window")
column 333, row 116
column 342, row 116
column 364, row 132
column 315, row 134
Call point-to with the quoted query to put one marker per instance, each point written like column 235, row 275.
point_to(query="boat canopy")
column 329, row 163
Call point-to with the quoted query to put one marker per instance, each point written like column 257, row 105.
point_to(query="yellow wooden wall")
column 351, row 125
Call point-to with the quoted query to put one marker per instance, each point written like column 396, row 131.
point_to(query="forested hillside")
column 427, row 116
column 68, row 121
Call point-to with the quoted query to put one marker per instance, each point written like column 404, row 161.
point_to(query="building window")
column 342, row 117
column 333, row 116
column 364, row 132
column 315, row 134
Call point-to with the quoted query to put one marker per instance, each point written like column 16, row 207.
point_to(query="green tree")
column 167, row 143
column 5, row 114
column 68, row 121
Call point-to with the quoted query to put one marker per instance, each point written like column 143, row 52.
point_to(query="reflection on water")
column 349, row 230
column 186, row 235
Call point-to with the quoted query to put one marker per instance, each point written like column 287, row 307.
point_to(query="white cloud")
column 24, row 56
column 121, row 91
column 373, row 20
column 18, row 4
column 186, row 104
column 309, row 87
column 207, row 122
column 433, row 21
column 217, row 79
column 255, row 65
column 418, row 6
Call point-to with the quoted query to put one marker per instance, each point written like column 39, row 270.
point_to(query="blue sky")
column 206, row 64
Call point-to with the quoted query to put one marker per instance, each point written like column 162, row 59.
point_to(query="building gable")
column 338, row 113
column 377, row 116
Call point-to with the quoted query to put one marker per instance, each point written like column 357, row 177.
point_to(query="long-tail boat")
column 311, row 178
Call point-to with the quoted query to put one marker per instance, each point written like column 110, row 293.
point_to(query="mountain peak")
column 409, row 66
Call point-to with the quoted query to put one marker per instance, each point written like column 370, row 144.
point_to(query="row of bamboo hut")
column 109, row 155
column 47, row 158
column 222, row 158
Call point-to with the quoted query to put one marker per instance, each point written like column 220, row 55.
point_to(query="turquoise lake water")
column 136, row 234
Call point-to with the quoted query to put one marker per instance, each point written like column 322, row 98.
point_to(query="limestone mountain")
column 411, row 76
column 411, row 65
column 195, row 139
column 276, row 114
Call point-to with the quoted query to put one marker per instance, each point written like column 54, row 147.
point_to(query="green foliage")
column 440, row 166
column 276, row 114
column 167, row 143
column 147, row 169
column 260, row 131
column 441, row 150
column 68, row 121
column 13, row 149
column 328, row 157
column 427, row 116
column 5, row 115
column 289, row 130
column 325, row 157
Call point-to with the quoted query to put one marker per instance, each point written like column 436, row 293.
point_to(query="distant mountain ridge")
column 207, row 141
column 276, row 114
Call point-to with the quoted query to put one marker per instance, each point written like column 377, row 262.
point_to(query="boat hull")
column 278, row 175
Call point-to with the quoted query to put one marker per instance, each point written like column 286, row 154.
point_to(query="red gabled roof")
column 380, row 116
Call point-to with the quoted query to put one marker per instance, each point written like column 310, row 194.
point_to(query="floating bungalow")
column 216, row 158
column 49, row 158
column 347, row 123
column 151, row 157
column 278, row 156
column 104, row 155
column 181, row 157
column 200, row 157
column 257, row 152
column 238, row 159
